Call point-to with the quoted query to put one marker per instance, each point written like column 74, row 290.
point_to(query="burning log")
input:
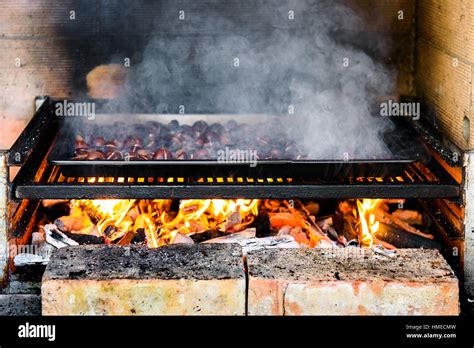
column 139, row 237
column 296, row 233
column 262, row 224
column 234, row 219
column 206, row 235
column 72, row 223
column 389, row 219
column 348, row 231
column 279, row 220
column 48, row 203
column 85, row 238
column 158, row 222
column 127, row 238
column 411, row 217
column 312, row 208
column 182, row 239
column 271, row 205
column 403, row 239
column 300, row 221
column 330, row 226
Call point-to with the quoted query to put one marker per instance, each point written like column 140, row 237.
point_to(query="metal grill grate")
column 409, row 176
column 410, row 184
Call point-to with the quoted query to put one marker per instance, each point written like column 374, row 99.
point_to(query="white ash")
column 56, row 238
column 249, row 242
column 234, row 237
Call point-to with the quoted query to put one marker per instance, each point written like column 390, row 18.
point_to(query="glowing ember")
column 368, row 226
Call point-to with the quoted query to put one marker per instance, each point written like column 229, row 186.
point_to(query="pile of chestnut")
column 175, row 141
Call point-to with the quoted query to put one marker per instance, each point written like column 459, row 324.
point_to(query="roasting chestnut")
column 80, row 144
column 150, row 143
column 211, row 136
column 144, row 154
column 81, row 151
column 114, row 155
column 201, row 154
column 231, row 125
column 199, row 142
column 200, row 127
column 81, row 154
column 153, row 126
column 162, row 154
column 275, row 154
column 173, row 125
column 131, row 156
column 130, row 142
column 98, row 142
column 95, row 155
column 217, row 128
column 135, row 148
column 226, row 139
column 112, row 144
column 186, row 138
column 181, row 154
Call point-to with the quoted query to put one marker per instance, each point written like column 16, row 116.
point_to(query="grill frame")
column 37, row 178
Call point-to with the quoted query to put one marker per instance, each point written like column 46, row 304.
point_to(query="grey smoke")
column 283, row 63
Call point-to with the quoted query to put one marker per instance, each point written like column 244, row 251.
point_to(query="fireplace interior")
column 102, row 217
column 386, row 213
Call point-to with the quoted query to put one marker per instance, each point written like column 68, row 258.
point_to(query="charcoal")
column 262, row 225
column 109, row 230
column 127, row 238
column 403, row 239
column 85, row 238
column 140, row 237
column 206, row 235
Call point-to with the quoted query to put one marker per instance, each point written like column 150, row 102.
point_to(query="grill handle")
column 41, row 128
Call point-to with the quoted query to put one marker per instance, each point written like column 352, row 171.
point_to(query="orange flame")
column 368, row 225
column 200, row 215
column 116, row 218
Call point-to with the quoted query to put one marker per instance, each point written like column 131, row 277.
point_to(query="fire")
column 200, row 215
column 368, row 225
column 164, row 221
column 119, row 220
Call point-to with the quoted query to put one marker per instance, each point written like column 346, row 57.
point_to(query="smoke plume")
column 284, row 58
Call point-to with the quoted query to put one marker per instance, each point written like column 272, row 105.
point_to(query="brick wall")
column 444, row 65
column 32, row 62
